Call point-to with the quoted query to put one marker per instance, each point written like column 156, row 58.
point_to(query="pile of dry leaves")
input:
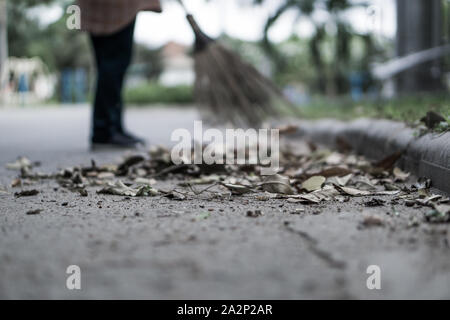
column 308, row 175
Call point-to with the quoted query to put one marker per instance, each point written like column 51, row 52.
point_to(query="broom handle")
column 201, row 38
column 190, row 19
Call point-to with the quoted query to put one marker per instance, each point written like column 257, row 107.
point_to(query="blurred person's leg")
column 113, row 56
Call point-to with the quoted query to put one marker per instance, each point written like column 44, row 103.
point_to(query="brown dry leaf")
column 277, row 184
column 425, row 201
column 26, row 193
column 372, row 221
column 400, row 175
column 201, row 181
column 305, row 198
column 288, row 129
column 331, row 172
column 342, row 181
column 237, row 189
column 313, row 183
column 363, row 183
column 358, row 193
column 120, row 189
column 342, row 145
column 34, row 212
column 388, row 162
column 16, row 183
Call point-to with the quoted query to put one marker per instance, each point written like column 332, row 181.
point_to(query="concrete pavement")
column 157, row 248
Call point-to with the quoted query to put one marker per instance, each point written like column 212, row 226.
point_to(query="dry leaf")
column 19, row 164
column 120, row 189
column 16, row 183
column 26, row 193
column 400, row 175
column 237, row 188
column 277, row 184
column 313, row 183
column 372, row 221
column 358, row 193
column 388, row 162
column 106, row 175
column 34, row 212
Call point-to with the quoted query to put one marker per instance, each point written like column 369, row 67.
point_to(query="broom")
column 230, row 89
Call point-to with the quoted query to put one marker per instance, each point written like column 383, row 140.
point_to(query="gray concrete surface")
column 157, row 248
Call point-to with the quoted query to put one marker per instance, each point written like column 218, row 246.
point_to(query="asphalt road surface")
column 157, row 248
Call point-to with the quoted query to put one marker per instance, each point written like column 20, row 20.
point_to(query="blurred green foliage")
column 330, row 49
column 55, row 44
column 154, row 93
column 408, row 109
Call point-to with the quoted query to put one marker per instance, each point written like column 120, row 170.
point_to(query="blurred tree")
column 331, row 76
column 27, row 38
column 150, row 58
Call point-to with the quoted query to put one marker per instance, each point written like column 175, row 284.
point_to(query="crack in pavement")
column 313, row 246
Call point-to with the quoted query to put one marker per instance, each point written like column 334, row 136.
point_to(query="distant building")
column 178, row 65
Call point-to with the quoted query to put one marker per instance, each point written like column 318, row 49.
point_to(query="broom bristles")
column 233, row 90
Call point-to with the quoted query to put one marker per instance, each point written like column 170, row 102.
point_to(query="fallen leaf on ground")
column 305, row 198
column 277, row 184
column 313, row 183
column 331, row 172
column 16, row 183
column 26, row 193
column 237, row 189
column 388, row 162
column 174, row 195
column 254, row 214
column 120, row 189
column 400, row 175
column 34, row 212
column 342, row 145
column 288, row 129
column 19, row 164
column 358, row 193
column 342, row 181
column 372, row 221
column 374, row 203
column 106, row 175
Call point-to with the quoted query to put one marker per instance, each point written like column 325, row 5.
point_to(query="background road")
column 157, row 248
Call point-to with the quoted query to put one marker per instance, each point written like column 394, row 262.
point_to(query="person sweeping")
column 110, row 24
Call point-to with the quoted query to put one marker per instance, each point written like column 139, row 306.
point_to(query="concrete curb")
column 427, row 156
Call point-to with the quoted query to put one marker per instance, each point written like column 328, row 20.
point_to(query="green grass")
column 408, row 109
column 153, row 93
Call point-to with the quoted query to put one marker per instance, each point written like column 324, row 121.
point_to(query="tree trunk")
column 419, row 27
